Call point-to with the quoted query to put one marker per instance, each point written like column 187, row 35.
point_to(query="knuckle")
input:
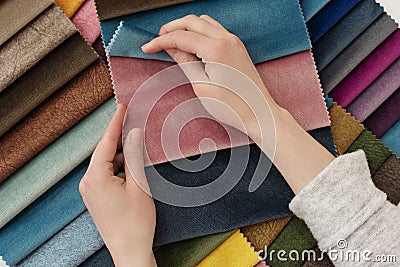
column 108, row 137
column 138, row 155
column 190, row 17
column 235, row 40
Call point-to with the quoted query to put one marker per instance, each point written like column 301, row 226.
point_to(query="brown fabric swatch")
column 387, row 178
column 375, row 151
column 345, row 128
column 264, row 233
column 43, row 79
column 319, row 261
column 15, row 14
column 32, row 43
column 60, row 112
column 107, row 9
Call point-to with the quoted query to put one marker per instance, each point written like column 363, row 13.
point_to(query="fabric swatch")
column 32, row 43
column 43, row 218
column 375, row 151
column 318, row 261
column 385, row 116
column 345, row 128
column 63, row 249
column 102, row 257
column 281, row 75
column 311, row 7
column 60, row 112
column 295, row 236
column 391, row 138
column 328, row 16
column 142, row 27
column 24, row 10
column 86, row 21
column 368, row 70
column 345, row 31
column 380, row 90
column 69, row 6
column 261, row 264
column 190, row 252
column 32, row 88
column 264, row 233
column 53, row 163
column 357, row 51
column 387, row 178
column 235, row 251
column 108, row 9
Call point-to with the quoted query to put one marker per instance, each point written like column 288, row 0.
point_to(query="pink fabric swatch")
column 261, row 264
column 367, row 71
column 380, row 90
column 292, row 82
column 86, row 21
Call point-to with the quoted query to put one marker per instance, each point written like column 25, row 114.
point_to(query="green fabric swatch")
column 189, row 252
column 375, row 151
column 295, row 236
column 53, row 163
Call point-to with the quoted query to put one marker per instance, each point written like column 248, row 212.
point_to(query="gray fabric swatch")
column 345, row 31
column 359, row 49
column 63, row 249
column 15, row 14
column 32, row 43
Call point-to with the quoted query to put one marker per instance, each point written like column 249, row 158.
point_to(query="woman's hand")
column 123, row 213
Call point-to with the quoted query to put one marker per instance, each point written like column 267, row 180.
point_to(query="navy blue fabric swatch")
column 311, row 7
column 263, row 26
column 43, row 218
column 328, row 16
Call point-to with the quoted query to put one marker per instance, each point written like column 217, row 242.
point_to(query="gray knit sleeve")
column 348, row 215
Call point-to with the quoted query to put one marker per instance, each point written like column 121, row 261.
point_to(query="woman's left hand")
column 123, row 213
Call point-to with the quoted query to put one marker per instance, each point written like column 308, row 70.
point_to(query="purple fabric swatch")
column 371, row 67
column 380, row 90
column 385, row 116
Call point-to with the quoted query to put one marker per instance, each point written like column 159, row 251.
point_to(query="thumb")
column 134, row 160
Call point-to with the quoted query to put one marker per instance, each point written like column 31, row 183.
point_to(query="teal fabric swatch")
column 311, row 7
column 392, row 138
column 53, row 163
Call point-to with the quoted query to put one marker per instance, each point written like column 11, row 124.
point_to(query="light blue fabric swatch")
column 328, row 101
column 269, row 29
column 64, row 249
column 392, row 138
column 311, row 7
column 43, row 218
column 53, row 163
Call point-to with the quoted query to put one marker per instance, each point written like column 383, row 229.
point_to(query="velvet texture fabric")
column 30, row 45
column 235, row 251
column 375, row 151
column 281, row 75
column 368, row 70
column 142, row 27
column 56, row 115
column 345, row 31
column 391, row 138
column 102, row 257
column 59, row 205
column 69, row 6
column 63, row 249
column 264, row 233
column 387, row 178
column 380, row 90
column 32, row 88
column 53, row 163
column 86, row 21
column 385, row 116
column 345, row 128
column 190, row 252
column 357, row 51
column 328, row 17
column 24, row 10
column 311, row 7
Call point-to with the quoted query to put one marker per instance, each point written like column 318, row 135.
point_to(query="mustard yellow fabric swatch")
column 69, row 6
column 234, row 252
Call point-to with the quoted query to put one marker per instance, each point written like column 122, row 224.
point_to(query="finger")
column 107, row 147
column 118, row 162
column 213, row 22
column 190, row 42
column 133, row 153
column 181, row 56
column 194, row 24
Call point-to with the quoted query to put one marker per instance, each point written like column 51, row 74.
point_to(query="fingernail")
column 145, row 46
column 136, row 136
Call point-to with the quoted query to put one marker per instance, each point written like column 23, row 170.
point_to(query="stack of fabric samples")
column 43, row 215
